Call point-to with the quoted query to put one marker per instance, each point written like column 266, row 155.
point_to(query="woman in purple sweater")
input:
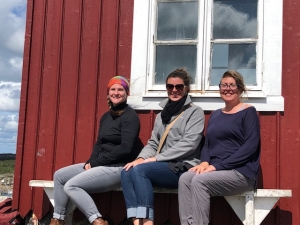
column 230, row 157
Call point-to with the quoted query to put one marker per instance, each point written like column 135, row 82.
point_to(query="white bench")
column 49, row 189
column 251, row 207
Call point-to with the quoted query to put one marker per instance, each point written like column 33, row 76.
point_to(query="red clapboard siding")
column 72, row 49
column 23, row 109
column 108, row 52
column 289, row 120
column 88, row 79
column 32, row 104
column 124, row 37
column 46, row 130
column 68, row 83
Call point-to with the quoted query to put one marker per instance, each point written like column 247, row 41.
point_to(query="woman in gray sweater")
column 180, row 150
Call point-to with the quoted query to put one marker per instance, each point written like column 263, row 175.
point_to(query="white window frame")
column 269, row 60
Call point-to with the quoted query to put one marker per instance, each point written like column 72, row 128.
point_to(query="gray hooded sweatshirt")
column 183, row 141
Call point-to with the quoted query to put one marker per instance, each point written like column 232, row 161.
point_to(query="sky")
column 12, row 32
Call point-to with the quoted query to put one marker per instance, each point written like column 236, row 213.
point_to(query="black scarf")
column 171, row 109
column 118, row 109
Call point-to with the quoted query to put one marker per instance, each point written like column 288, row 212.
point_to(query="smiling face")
column 230, row 93
column 176, row 88
column 117, row 94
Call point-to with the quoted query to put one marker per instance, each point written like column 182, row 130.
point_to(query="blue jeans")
column 138, row 190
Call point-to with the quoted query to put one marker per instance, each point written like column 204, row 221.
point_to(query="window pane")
column 234, row 19
column 240, row 57
column 177, row 20
column 170, row 57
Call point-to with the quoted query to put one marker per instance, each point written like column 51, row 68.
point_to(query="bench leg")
column 251, row 210
column 50, row 193
column 263, row 206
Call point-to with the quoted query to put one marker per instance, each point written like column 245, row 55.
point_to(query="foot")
column 100, row 221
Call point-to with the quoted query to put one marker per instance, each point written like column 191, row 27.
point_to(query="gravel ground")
column 7, row 182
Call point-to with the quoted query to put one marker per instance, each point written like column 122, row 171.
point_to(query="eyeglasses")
column 230, row 86
column 179, row 87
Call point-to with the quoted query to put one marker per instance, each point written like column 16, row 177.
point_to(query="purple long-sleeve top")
column 233, row 142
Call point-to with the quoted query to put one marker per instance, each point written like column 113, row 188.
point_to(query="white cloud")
column 8, row 122
column 16, row 42
column 12, row 30
column 8, row 132
column 16, row 62
column 9, row 96
column 229, row 22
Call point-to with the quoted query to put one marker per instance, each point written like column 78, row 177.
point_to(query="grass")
column 7, row 166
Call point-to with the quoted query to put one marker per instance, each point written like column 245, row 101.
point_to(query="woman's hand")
column 209, row 169
column 200, row 168
column 87, row 166
column 133, row 163
column 152, row 159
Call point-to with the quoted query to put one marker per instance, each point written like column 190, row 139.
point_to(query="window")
column 207, row 37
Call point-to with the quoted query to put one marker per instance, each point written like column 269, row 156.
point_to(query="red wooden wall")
column 72, row 49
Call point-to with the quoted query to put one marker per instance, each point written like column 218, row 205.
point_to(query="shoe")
column 57, row 222
column 100, row 221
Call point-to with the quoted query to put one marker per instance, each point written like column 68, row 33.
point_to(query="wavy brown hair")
column 239, row 80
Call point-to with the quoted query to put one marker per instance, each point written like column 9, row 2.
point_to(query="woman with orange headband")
column 115, row 146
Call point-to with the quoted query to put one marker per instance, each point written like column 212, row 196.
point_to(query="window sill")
column 208, row 103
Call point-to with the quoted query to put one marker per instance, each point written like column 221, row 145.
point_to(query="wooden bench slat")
column 257, row 192
column 41, row 183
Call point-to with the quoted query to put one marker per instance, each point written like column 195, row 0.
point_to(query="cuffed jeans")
column 75, row 183
column 195, row 190
column 137, row 185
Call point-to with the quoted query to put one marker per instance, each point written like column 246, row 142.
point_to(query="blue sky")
column 12, row 32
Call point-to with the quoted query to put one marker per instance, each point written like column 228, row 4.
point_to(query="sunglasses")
column 179, row 87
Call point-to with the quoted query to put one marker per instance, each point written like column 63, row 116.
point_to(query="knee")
column 186, row 178
column 57, row 175
column 132, row 172
column 70, row 185
column 183, row 180
column 198, row 181
column 125, row 174
column 67, row 187
column 139, row 170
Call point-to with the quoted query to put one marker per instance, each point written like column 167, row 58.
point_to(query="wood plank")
column 108, row 54
column 88, row 78
column 32, row 104
column 22, row 113
column 289, row 120
column 68, row 84
column 46, row 134
column 125, row 38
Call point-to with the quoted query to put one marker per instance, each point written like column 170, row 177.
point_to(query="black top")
column 117, row 137
column 232, row 141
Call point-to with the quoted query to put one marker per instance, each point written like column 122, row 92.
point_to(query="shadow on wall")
column 276, row 214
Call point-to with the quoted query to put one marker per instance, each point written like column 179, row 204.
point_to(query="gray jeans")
column 195, row 190
column 75, row 183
